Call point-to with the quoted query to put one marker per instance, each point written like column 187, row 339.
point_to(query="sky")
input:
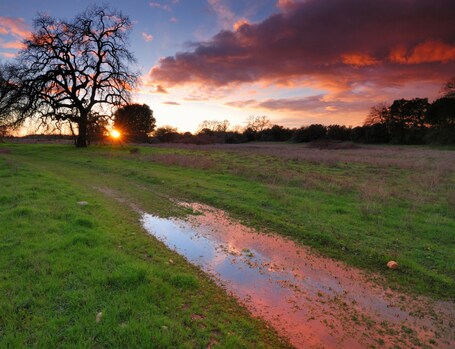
column 298, row 62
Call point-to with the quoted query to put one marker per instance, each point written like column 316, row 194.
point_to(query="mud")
column 313, row 301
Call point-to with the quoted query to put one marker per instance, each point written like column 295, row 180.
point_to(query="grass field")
column 89, row 277
column 63, row 264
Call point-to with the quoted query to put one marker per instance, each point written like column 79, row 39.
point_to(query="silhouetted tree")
column 72, row 70
column 338, row 132
column 448, row 90
column 441, row 112
column 276, row 133
column 211, row 126
column 406, row 120
column 134, row 121
column 379, row 114
column 441, row 116
column 11, row 98
column 258, row 123
column 97, row 128
column 166, row 134
column 250, row 134
column 309, row 133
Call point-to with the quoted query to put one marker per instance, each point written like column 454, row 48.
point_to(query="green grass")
column 363, row 207
column 89, row 277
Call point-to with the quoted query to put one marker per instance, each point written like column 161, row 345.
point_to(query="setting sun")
column 115, row 134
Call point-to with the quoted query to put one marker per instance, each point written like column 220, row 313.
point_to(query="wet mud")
column 313, row 301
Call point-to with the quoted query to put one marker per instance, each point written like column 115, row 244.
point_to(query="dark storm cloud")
column 337, row 41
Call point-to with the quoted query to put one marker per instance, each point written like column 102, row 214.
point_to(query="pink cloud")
column 14, row 26
column 313, row 41
column 226, row 17
column 147, row 37
column 17, row 45
column 160, row 6
column 8, row 54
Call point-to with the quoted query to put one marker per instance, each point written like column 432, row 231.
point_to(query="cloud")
column 14, row 26
column 429, row 51
column 16, row 45
column 225, row 16
column 158, row 5
column 243, row 104
column 304, row 104
column 173, row 20
column 299, row 104
column 336, row 43
column 161, row 89
column 359, row 59
column 171, row 103
column 239, row 23
column 286, row 4
column 8, row 54
column 147, row 37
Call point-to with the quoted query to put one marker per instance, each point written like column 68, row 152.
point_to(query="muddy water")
column 313, row 301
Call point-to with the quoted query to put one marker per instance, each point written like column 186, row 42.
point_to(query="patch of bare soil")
column 313, row 301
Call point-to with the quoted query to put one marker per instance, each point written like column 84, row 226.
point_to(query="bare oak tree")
column 258, row 123
column 73, row 71
column 448, row 90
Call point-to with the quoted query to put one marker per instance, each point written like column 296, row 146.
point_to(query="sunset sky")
column 297, row 62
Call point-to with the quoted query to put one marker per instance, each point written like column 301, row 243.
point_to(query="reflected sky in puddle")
column 313, row 301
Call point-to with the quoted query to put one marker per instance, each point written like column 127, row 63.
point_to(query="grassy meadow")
column 89, row 276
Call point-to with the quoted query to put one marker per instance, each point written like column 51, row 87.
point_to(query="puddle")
column 313, row 301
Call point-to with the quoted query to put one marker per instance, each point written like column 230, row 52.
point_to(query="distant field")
column 363, row 205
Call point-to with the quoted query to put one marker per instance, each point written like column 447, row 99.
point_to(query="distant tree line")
column 405, row 121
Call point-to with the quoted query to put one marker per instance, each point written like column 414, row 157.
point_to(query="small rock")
column 171, row 261
column 99, row 316
column 392, row 265
column 164, row 328
column 82, row 203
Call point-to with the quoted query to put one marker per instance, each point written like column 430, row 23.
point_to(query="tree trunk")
column 81, row 141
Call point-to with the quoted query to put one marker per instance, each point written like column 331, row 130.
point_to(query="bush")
column 309, row 133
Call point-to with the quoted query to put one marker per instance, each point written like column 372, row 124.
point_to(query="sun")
column 115, row 134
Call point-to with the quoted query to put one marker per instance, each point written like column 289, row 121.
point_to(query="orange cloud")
column 240, row 23
column 285, row 4
column 359, row 59
column 430, row 51
column 14, row 26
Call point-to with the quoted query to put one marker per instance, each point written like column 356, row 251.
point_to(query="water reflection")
column 311, row 300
